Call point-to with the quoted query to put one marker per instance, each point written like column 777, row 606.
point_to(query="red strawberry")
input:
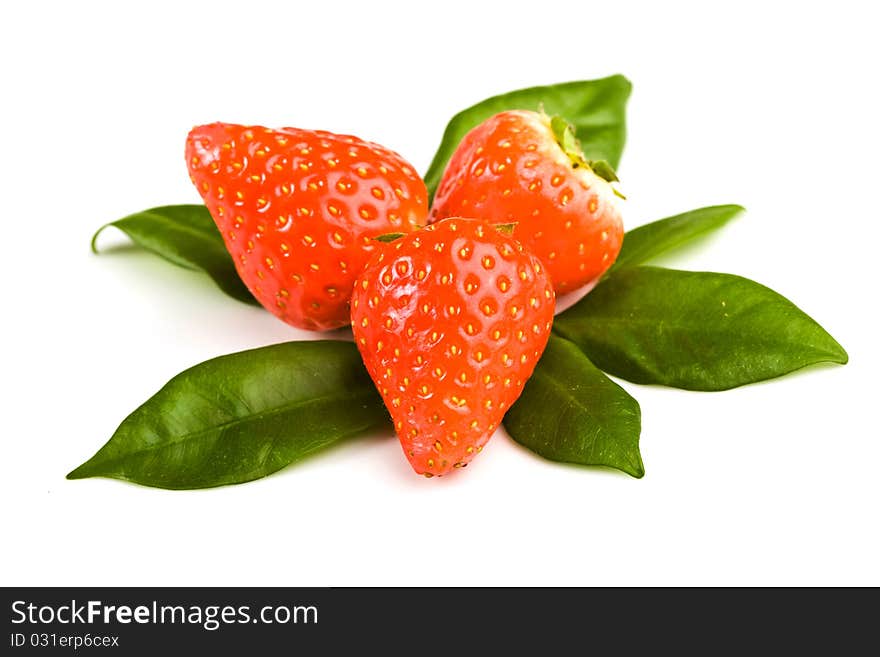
column 298, row 210
column 525, row 167
column 450, row 322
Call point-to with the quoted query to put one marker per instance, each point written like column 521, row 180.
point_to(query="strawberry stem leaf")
column 388, row 237
column 604, row 170
column 598, row 108
column 563, row 131
column 505, row 229
column 565, row 136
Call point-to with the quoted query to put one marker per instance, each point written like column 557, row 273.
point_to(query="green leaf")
column 569, row 411
column 596, row 108
column 187, row 236
column 694, row 330
column 647, row 242
column 242, row 416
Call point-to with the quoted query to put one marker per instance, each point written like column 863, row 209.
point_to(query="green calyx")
column 388, row 237
column 563, row 131
column 505, row 229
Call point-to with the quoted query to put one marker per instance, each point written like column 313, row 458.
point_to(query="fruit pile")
column 450, row 318
column 451, row 300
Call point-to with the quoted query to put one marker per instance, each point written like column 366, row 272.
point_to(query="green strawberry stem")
column 563, row 131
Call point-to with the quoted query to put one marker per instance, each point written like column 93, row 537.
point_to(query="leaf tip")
column 623, row 81
column 840, row 355
column 638, row 469
column 84, row 471
column 94, row 242
column 80, row 472
column 728, row 211
column 735, row 209
column 834, row 350
column 634, row 465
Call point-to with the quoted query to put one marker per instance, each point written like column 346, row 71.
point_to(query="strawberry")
column 450, row 321
column 298, row 210
column 525, row 167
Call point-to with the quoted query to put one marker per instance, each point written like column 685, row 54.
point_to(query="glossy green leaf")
column 242, row 416
column 694, row 330
column 187, row 236
column 646, row 242
column 596, row 109
column 570, row 411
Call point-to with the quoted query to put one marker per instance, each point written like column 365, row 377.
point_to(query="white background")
column 771, row 105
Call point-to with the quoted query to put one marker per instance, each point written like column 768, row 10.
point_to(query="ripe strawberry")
column 525, row 167
column 450, row 322
column 298, row 210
